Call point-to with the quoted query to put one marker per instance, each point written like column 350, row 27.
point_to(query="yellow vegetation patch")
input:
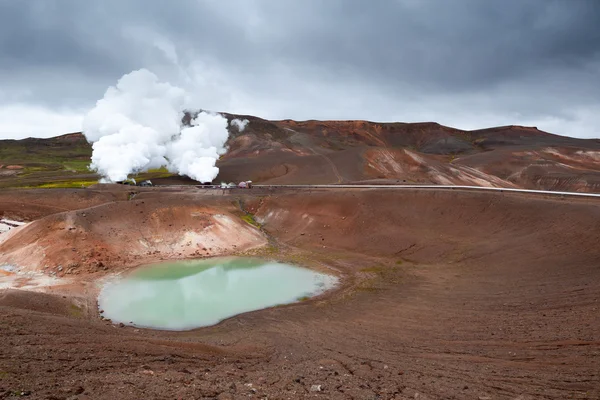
column 67, row 184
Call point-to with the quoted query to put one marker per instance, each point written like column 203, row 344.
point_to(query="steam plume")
column 240, row 124
column 137, row 126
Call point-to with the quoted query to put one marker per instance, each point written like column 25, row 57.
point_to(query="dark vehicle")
column 132, row 182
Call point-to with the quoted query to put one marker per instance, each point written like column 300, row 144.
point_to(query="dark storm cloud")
column 444, row 44
column 513, row 61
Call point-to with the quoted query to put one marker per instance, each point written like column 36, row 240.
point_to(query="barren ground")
column 326, row 152
column 444, row 295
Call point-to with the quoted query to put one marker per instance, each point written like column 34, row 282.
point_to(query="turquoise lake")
column 191, row 294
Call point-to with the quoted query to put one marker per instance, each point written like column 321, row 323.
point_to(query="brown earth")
column 320, row 152
column 444, row 294
column 28, row 205
column 323, row 152
column 90, row 240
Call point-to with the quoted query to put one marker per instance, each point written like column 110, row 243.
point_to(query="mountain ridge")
column 342, row 151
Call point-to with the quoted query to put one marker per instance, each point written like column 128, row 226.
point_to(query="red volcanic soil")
column 128, row 233
column 28, row 205
column 325, row 152
column 444, row 295
column 305, row 152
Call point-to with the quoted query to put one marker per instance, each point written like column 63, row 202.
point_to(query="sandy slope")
column 126, row 233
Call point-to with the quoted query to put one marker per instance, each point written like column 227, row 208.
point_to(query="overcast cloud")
column 464, row 63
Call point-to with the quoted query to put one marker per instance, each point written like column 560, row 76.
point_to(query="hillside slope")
column 287, row 152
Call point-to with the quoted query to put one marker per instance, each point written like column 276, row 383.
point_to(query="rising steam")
column 137, row 126
column 240, row 124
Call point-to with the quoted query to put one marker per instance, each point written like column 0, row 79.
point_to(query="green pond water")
column 190, row 294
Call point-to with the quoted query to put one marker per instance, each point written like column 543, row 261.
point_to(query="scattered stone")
column 316, row 388
column 60, row 268
column 121, row 325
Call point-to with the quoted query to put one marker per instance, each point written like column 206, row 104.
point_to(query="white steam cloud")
column 138, row 126
column 240, row 124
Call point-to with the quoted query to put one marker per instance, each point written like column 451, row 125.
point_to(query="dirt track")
column 446, row 295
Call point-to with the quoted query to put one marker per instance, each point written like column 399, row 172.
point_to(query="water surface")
column 190, row 294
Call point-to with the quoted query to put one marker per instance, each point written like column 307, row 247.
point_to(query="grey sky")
column 464, row 63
